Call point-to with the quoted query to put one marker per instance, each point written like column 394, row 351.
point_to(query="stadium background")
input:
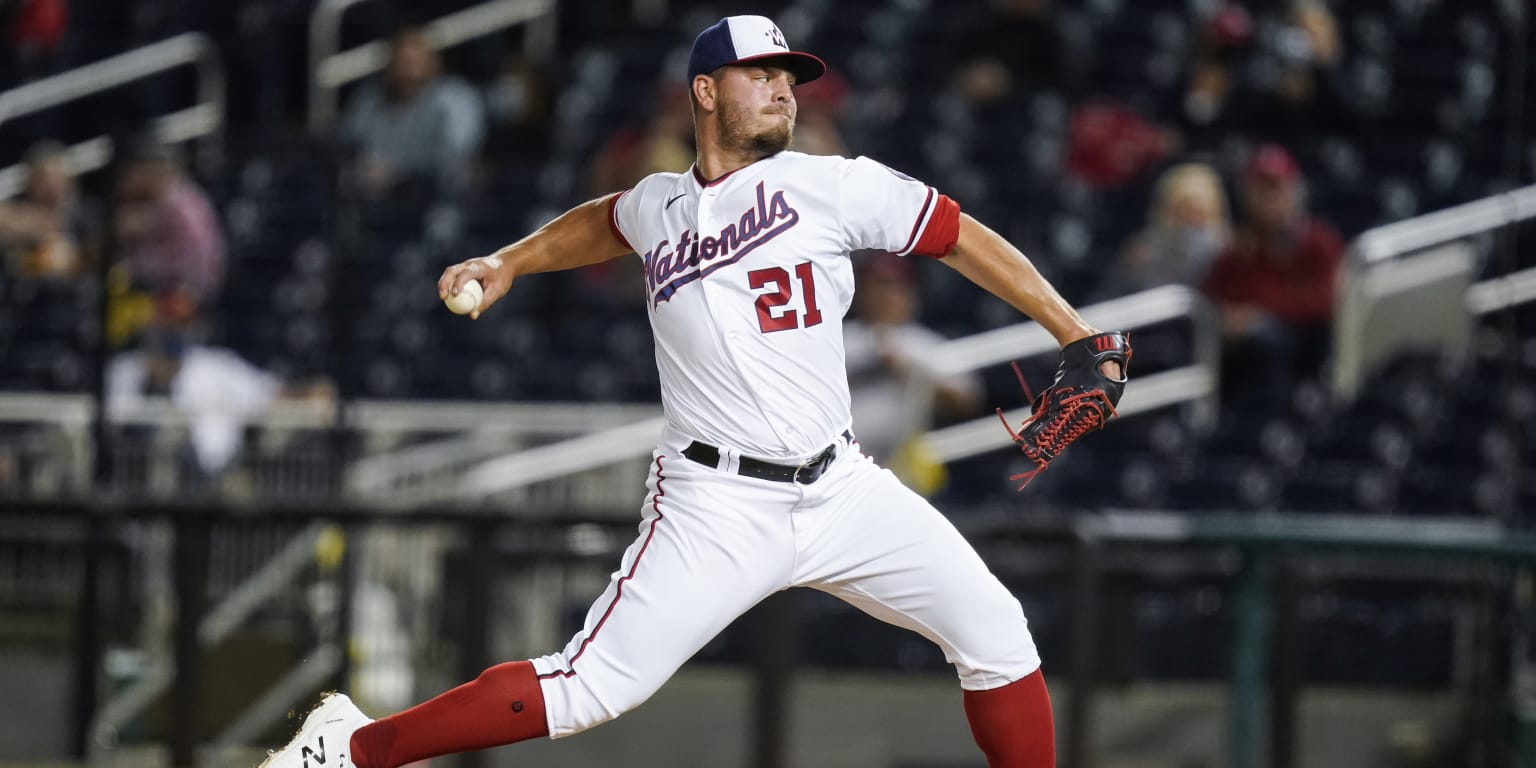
column 1336, row 576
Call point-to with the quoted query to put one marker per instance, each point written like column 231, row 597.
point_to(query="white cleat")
column 325, row 739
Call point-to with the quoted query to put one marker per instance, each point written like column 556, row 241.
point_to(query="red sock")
column 1013, row 725
column 501, row 706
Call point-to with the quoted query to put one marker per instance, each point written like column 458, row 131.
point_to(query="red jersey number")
column 769, row 303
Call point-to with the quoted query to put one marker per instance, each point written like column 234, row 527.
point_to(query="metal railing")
column 330, row 68
column 404, row 449
column 1412, row 267
column 1196, row 384
column 203, row 119
column 216, row 625
column 1420, row 232
column 1498, row 293
column 1093, row 551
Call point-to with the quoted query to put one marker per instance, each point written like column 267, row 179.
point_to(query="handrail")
column 1376, row 253
column 561, row 459
column 111, row 72
column 1494, row 294
column 1198, row 382
column 329, row 69
column 1169, row 302
column 206, row 118
column 215, row 626
column 324, row 39
column 74, row 410
column 1431, row 229
column 1147, row 393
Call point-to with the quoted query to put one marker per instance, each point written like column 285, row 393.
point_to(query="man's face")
column 51, row 184
column 1272, row 203
column 756, row 109
column 412, row 62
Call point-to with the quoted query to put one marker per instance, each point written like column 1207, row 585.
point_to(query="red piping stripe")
column 619, row 591
column 613, row 218
column 918, row 225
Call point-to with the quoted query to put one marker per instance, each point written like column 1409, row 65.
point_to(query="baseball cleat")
column 325, row 738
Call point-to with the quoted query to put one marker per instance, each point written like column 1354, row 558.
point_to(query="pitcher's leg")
column 502, row 706
column 710, row 547
column 1013, row 724
column 701, row 559
column 887, row 551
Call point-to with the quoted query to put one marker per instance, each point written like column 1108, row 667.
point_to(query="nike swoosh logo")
column 673, row 200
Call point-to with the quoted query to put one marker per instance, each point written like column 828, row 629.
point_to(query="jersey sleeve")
column 886, row 210
column 622, row 216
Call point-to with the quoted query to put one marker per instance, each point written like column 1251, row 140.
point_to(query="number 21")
column 782, row 293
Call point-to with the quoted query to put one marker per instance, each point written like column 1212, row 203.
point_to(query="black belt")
column 805, row 474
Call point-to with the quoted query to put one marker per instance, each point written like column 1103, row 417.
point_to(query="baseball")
column 466, row 300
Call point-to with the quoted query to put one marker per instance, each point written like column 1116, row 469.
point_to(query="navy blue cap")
column 744, row 39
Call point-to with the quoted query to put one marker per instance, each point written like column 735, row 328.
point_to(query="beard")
column 737, row 133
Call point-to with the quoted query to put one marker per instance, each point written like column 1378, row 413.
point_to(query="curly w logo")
column 776, row 37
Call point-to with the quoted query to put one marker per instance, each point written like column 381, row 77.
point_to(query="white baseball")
column 467, row 299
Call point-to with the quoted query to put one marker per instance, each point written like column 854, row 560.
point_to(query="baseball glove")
column 1081, row 400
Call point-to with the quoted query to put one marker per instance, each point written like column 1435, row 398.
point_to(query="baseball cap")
column 1272, row 163
column 744, row 39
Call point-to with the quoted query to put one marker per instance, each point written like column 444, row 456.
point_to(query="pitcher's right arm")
column 581, row 236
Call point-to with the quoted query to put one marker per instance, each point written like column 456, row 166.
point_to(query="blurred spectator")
column 1110, row 145
column 1205, row 108
column 1186, row 228
column 819, row 114
column 418, row 126
column 47, row 232
column 517, row 103
column 1271, row 78
column 661, row 144
column 34, row 32
column 218, row 390
column 885, row 347
column 1294, row 94
column 1275, row 283
column 1007, row 49
column 169, row 242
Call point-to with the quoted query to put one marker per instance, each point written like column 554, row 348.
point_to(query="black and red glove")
column 1081, row 400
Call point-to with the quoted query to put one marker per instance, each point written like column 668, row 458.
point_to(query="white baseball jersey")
column 748, row 279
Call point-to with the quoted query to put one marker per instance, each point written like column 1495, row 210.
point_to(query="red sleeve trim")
column 942, row 231
column 613, row 219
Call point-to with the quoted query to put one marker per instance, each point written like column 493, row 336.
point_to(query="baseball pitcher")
column 757, row 483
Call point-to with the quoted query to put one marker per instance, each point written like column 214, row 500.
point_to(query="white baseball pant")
column 714, row 543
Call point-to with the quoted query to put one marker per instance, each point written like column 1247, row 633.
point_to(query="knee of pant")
column 999, row 656
column 588, row 699
column 1001, row 666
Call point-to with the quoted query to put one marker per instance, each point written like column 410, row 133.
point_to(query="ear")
column 705, row 91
